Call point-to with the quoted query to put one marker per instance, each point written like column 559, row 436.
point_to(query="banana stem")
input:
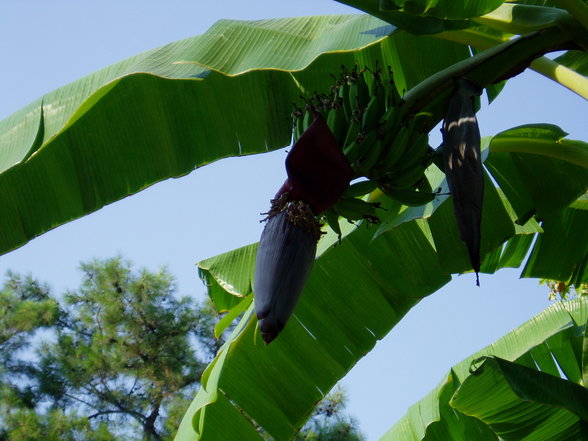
column 577, row 8
column 565, row 76
column 559, row 73
column 495, row 64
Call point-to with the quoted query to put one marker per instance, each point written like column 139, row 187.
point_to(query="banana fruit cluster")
column 379, row 138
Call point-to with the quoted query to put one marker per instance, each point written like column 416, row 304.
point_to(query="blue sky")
column 216, row 208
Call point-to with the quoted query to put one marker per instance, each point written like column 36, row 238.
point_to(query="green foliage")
column 328, row 422
column 118, row 358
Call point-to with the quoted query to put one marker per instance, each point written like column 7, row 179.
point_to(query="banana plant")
column 163, row 113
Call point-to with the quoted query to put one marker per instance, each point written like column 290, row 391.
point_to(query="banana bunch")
column 380, row 140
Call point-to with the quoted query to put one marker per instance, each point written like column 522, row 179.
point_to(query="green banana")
column 332, row 219
column 375, row 109
column 337, row 123
column 353, row 131
column 359, row 92
column 415, row 153
column 373, row 147
column 390, row 122
column 388, row 5
column 408, row 178
column 356, row 209
column 425, row 186
column 397, row 148
column 360, row 189
column 352, row 96
column 308, row 117
column 352, row 152
column 394, row 99
column 297, row 117
column 342, row 94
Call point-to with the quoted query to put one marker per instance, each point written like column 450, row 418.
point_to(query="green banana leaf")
column 164, row 113
column 549, row 407
column 436, row 17
column 540, row 171
column 445, row 9
column 415, row 23
column 512, row 389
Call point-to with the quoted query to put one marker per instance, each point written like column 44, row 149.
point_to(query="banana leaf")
column 170, row 110
column 524, row 386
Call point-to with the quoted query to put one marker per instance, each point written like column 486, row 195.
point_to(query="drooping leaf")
column 505, row 403
column 237, row 273
column 163, row 113
column 414, row 23
column 565, row 230
column 445, row 9
column 497, row 227
column 522, row 403
column 538, row 169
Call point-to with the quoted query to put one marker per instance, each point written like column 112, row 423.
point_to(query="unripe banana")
column 415, row 153
column 352, row 152
column 298, row 117
column 425, row 186
column 352, row 133
column 356, row 209
column 394, row 99
column 397, row 148
column 407, row 178
column 373, row 151
column 332, row 219
column 375, row 109
column 359, row 92
column 308, row 117
column 337, row 123
column 342, row 95
column 360, row 189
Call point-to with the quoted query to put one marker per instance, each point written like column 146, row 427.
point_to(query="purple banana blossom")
column 463, row 167
column 284, row 259
column 318, row 173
